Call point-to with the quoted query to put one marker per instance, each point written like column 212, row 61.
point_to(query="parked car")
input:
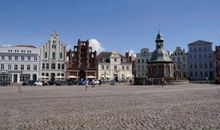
column 72, row 82
column 51, row 82
column 61, row 82
column 4, row 83
column 28, row 83
column 38, row 83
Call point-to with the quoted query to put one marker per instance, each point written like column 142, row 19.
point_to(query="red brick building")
column 81, row 62
column 217, row 63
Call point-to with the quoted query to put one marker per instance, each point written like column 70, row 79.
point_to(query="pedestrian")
column 86, row 84
column 162, row 82
column 100, row 82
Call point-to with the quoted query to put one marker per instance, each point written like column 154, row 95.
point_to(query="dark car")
column 4, row 83
column 61, row 82
column 51, row 82
column 72, row 82
column 28, row 83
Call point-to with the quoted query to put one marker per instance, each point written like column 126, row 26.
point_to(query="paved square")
column 117, row 107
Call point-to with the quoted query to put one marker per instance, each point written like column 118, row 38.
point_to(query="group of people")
column 92, row 82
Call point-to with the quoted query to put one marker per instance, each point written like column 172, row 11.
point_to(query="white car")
column 38, row 83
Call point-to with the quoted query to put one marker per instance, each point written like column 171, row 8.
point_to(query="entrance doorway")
column 82, row 74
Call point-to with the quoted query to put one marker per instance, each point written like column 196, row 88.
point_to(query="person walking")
column 86, row 84
column 100, row 82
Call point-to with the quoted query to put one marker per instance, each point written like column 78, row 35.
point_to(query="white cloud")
column 132, row 53
column 96, row 45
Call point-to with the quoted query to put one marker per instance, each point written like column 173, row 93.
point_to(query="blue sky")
column 117, row 24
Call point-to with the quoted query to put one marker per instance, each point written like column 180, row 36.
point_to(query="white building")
column 53, row 58
column 112, row 65
column 141, row 63
column 179, row 57
column 19, row 63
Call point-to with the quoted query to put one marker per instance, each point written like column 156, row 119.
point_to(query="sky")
column 117, row 25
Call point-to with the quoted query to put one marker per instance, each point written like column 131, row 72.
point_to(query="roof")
column 30, row 46
column 103, row 55
column 199, row 42
column 160, row 55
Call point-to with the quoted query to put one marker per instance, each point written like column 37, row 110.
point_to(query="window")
column 47, row 66
column 139, row 61
column 45, row 55
column 28, row 67
column 16, row 57
column 43, row 65
column 63, row 66
column 103, row 67
column 127, row 67
column 123, row 68
column 173, row 59
column 115, row 67
column 195, row 66
column 107, row 67
column 200, row 56
column 210, row 65
column 138, row 67
column 201, row 74
column 184, row 58
column 54, row 45
column 3, row 57
column 142, row 60
column 29, row 58
column 35, row 67
column 195, row 56
column 9, row 67
column 22, row 67
column 2, row 66
column 61, row 55
column 200, row 65
column 194, row 49
column 184, row 66
column 190, row 56
column 22, row 58
column 15, row 67
column 54, row 55
column 196, row 74
column 210, row 55
column 191, row 74
column 35, row 58
column 115, row 59
column 205, row 55
column 205, row 65
column 53, row 66
column 178, row 59
column 59, row 66
column 9, row 58
column 204, row 49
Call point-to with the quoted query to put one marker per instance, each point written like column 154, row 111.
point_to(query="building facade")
column 142, row 63
column 179, row 57
column 53, row 59
column 200, row 61
column 217, row 63
column 82, row 62
column 19, row 63
column 112, row 65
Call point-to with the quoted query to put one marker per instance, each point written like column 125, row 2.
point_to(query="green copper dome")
column 160, row 54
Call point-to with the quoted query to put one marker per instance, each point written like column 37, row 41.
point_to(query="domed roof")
column 160, row 55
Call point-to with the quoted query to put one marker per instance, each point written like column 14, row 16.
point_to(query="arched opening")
column 82, row 74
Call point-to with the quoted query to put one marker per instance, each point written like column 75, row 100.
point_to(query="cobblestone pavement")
column 118, row 107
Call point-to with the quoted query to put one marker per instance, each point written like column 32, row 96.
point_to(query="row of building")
column 52, row 61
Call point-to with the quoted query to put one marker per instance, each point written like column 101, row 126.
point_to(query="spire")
column 159, row 40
